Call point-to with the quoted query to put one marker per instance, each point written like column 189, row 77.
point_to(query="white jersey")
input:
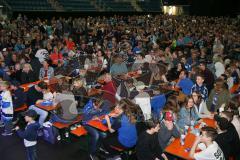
column 212, row 152
column 6, row 104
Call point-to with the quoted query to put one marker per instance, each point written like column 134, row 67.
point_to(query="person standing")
column 29, row 135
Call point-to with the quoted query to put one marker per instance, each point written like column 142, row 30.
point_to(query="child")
column 18, row 94
column 200, row 87
column 168, row 128
column 6, row 108
column 211, row 150
column 47, row 95
column 30, row 134
column 188, row 115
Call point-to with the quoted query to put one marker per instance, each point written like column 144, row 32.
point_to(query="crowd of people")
column 197, row 56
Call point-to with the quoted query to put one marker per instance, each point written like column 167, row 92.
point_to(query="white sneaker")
column 93, row 157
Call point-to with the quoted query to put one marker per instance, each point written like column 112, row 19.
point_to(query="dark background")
column 196, row 7
column 215, row 7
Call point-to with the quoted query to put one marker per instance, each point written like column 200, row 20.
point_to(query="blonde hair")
column 79, row 82
column 27, row 65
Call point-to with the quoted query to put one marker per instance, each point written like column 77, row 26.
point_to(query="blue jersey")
column 202, row 89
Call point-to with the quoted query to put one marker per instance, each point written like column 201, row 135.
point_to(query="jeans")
column 7, row 124
column 31, row 152
column 42, row 114
column 56, row 118
column 96, row 136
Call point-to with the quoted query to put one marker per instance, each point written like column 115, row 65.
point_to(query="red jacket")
column 109, row 91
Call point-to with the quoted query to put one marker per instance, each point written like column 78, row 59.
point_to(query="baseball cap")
column 168, row 116
column 30, row 113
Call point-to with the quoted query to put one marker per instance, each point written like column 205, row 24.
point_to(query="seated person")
column 200, row 87
column 234, row 108
column 200, row 106
column 232, row 134
column 218, row 97
column 119, row 67
column 109, row 89
column 66, row 110
column 92, row 110
column 185, row 83
column 138, row 63
column 211, row 149
column 34, row 94
column 147, row 147
column 126, row 136
column 18, row 95
column 79, row 91
column 27, row 74
column 158, row 74
column 143, row 100
column 223, row 139
column 187, row 115
column 126, row 89
column 46, row 71
column 47, row 95
column 168, row 129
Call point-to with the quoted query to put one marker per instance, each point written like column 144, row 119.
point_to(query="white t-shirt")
column 212, row 152
column 48, row 96
column 143, row 100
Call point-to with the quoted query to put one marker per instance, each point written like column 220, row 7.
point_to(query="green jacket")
column 223, row 98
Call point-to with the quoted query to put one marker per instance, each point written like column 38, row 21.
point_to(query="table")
column 46, row 108
column 28, row 85
column 97, row 124
column 176, row 149
column 51, row 83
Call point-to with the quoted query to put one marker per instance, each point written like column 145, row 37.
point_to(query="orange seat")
column 79, row 131
column 22, row 108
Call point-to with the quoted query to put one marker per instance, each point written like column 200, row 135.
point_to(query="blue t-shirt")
column 186, row 85
column 127, row 133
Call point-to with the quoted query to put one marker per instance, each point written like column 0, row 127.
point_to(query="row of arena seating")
column 29, row 5
column 150, row 5
column 77, row 5
column 121, row 6
column 83, row 5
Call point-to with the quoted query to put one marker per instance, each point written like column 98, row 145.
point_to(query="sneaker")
column 115, row 158
column 103, row 150
column 93, row 157
column 7, row 134
column 15, row 122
